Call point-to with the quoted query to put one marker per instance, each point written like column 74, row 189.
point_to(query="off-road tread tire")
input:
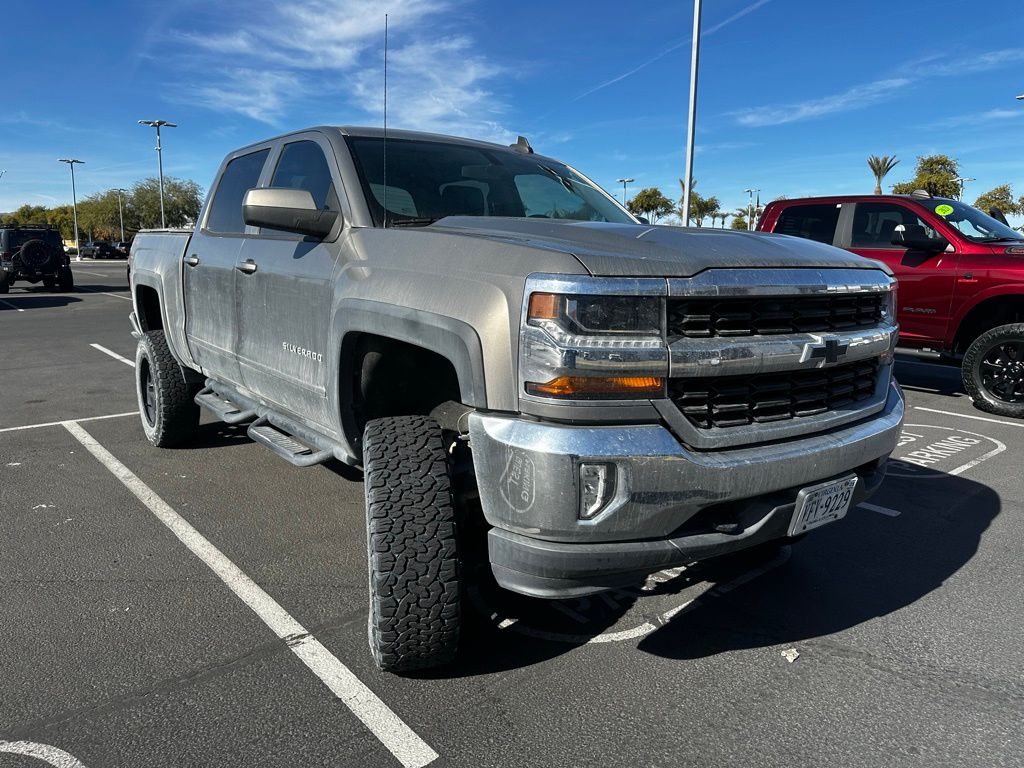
column 412, row 547
column 970, row 371
column 65, row 280
column 177, row 415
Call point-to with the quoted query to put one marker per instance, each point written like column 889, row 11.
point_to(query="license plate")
column 822, row 504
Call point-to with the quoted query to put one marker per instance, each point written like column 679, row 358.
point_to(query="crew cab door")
column 286, row 293
column 211, row 307
column 926, row 280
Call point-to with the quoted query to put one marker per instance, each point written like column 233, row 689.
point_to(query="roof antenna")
column 384, row 150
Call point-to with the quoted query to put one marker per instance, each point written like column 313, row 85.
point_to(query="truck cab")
column 960, row 275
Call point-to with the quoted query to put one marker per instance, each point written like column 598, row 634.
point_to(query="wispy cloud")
column 857, row 97
column 977, row 118
column 328, row 53
column 674, row 47
column 936, row 66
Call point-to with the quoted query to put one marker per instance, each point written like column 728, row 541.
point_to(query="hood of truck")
column 640, row 250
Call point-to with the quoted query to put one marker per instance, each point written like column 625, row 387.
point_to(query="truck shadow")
column 15, row 301
column 867, row 566
column 932, row 378
column 844, row 575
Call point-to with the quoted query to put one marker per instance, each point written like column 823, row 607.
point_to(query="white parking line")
column 46, row 753
column 410, row 750
column 114, row 355
column 880, row 510
column 965, row 416
column 12, row 306
column 93, row 290
column 61, row 423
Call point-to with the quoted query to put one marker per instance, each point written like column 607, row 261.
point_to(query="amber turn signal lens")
column 583, row 387
column 545, row 306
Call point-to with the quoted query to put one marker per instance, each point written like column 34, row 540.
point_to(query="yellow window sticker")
column 944, row 209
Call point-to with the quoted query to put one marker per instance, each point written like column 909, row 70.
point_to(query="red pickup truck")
column 960, row 273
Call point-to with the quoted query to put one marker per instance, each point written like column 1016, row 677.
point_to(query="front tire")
column 993, row 371
column 411, row 544
column 167, row 407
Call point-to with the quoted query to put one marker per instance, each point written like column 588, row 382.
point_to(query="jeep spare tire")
column 36, row 256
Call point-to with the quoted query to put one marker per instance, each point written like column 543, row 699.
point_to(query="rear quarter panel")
column 156, row 260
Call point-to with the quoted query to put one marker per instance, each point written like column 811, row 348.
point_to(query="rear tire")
column 65, row 280
column 412, row 548
column 993, row 371
column 167, row 407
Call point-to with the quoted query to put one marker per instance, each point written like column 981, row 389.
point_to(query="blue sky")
column 794, row 94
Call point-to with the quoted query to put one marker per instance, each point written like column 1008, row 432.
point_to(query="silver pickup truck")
column 516, row 363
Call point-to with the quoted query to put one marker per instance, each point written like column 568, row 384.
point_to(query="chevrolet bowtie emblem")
column 828, row 351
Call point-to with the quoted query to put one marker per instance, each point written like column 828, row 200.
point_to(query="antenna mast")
column 384, row 150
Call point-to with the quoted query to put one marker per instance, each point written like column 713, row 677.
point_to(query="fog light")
column 597, row 487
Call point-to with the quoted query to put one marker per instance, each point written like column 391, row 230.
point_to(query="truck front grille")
column 743, row 316
column 733, row 401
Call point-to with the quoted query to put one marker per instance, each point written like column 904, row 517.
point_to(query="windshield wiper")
column 999, row 239
column 423, row 221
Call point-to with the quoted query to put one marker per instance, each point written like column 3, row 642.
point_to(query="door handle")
column 248, row 266
column 192, row 261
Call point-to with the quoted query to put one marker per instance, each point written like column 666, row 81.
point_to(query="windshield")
column 428, row 180
column 970, row 222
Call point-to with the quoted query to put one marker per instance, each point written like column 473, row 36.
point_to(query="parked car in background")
column 522, row 369
column 34, row 254
column 99, row 249
column 960, row 273
column 123, row 247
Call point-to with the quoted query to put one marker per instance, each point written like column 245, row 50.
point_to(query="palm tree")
column 881, row 166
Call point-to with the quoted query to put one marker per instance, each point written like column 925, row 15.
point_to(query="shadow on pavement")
column 934, row 378
column 16, row 301
column 866, row 567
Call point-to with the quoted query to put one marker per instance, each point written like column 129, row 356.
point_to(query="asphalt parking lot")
column 127, row 641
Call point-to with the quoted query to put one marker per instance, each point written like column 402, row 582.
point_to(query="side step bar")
column 223, row 409
column 286, row 446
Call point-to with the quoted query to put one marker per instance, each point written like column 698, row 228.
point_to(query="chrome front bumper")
column 529, row 473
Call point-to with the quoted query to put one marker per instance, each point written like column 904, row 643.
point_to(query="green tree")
column 739, row 220
column 182, row 201
column 651, row 203
column 26, row 214
column 936, row 174
column 1002, row 198
column 98, row 216
column 880, row 166
column 704, row 207
column 62, row 217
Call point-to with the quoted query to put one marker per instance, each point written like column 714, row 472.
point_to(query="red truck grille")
column 732, row 401
column 703, row 317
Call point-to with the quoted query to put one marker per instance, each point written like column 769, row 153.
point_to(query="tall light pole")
column 963, row 180
column 158, row 124
column 750, row 206
column 120, row 211
column 74, row 200
column 692, row 121
column 624, row 182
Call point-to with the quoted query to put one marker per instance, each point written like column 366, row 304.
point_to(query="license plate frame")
column 821, row 504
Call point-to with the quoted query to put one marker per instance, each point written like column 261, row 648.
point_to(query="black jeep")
column 34, row 253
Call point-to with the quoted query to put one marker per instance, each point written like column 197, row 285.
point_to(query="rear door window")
column 874, row 224
column 812, row 222
column 240, row 175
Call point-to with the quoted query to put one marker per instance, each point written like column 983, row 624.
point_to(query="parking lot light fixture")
column 750, row 206
column 1021, row 97
column 120, row 210
column 962, row 180
column 624, row 182
column 158, row 124
column 74, row 200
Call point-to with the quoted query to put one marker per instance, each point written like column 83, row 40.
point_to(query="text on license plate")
column 821, row 504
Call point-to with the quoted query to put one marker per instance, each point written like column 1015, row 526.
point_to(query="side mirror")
column 913, row 238
column 289, row 210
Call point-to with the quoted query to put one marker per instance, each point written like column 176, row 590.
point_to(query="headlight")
column 593, row 341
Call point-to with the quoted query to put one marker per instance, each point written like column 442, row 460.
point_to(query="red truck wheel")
column 993, row 370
